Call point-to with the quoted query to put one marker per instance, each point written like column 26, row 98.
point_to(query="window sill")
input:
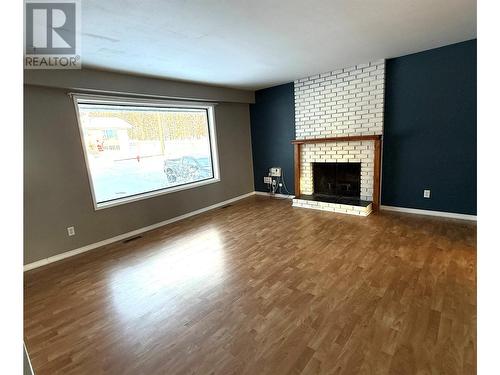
column 125, row 200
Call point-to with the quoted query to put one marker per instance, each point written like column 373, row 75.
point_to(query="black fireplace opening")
column 337, row 179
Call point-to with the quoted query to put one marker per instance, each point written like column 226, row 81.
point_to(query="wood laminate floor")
column 263, row 288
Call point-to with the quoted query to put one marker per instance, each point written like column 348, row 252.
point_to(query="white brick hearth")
column 343, row 103
column 333, row 207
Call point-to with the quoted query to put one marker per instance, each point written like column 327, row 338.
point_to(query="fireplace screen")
column 337, row 179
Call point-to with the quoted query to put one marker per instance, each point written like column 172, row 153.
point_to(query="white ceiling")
column 255, row 43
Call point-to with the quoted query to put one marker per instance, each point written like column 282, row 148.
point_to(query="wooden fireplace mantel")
column 338, row 139
column 376, row 160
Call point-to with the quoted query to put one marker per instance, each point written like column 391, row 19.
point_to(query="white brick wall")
column 346, row 102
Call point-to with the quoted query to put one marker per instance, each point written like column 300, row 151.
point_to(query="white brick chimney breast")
column 345, row 102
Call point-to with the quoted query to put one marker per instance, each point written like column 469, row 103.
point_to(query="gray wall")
column 57, row 192
column 26, row 363
column 90, row 79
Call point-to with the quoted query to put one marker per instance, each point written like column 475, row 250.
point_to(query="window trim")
column 80, row 98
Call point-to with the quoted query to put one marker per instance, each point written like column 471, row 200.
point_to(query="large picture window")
column 136, row 149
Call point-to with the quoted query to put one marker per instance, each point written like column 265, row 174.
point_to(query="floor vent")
column 131, row 239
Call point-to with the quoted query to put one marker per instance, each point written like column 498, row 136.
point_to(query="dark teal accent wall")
column 430, row 130
column 272, row 120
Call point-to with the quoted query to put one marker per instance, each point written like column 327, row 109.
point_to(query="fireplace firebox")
column 337, row 179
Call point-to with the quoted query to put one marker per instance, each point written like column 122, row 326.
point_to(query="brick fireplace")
column 339, row 119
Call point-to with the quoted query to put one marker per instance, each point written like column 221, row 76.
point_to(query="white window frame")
column 157, row 103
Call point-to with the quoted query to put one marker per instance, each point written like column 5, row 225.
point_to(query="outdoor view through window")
column 133, row 150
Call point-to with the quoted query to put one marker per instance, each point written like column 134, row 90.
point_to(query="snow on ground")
column 114, row 179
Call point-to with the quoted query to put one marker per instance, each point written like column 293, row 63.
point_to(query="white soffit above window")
column 256, row 44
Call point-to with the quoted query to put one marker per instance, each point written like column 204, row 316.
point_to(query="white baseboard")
column 450, row 215
column 28, row 360
column 83, row 249
column 274, row 195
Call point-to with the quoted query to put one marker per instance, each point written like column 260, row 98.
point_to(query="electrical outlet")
column 71, row 231
column 275, row 172
column 427, row 193
column 267, row 180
